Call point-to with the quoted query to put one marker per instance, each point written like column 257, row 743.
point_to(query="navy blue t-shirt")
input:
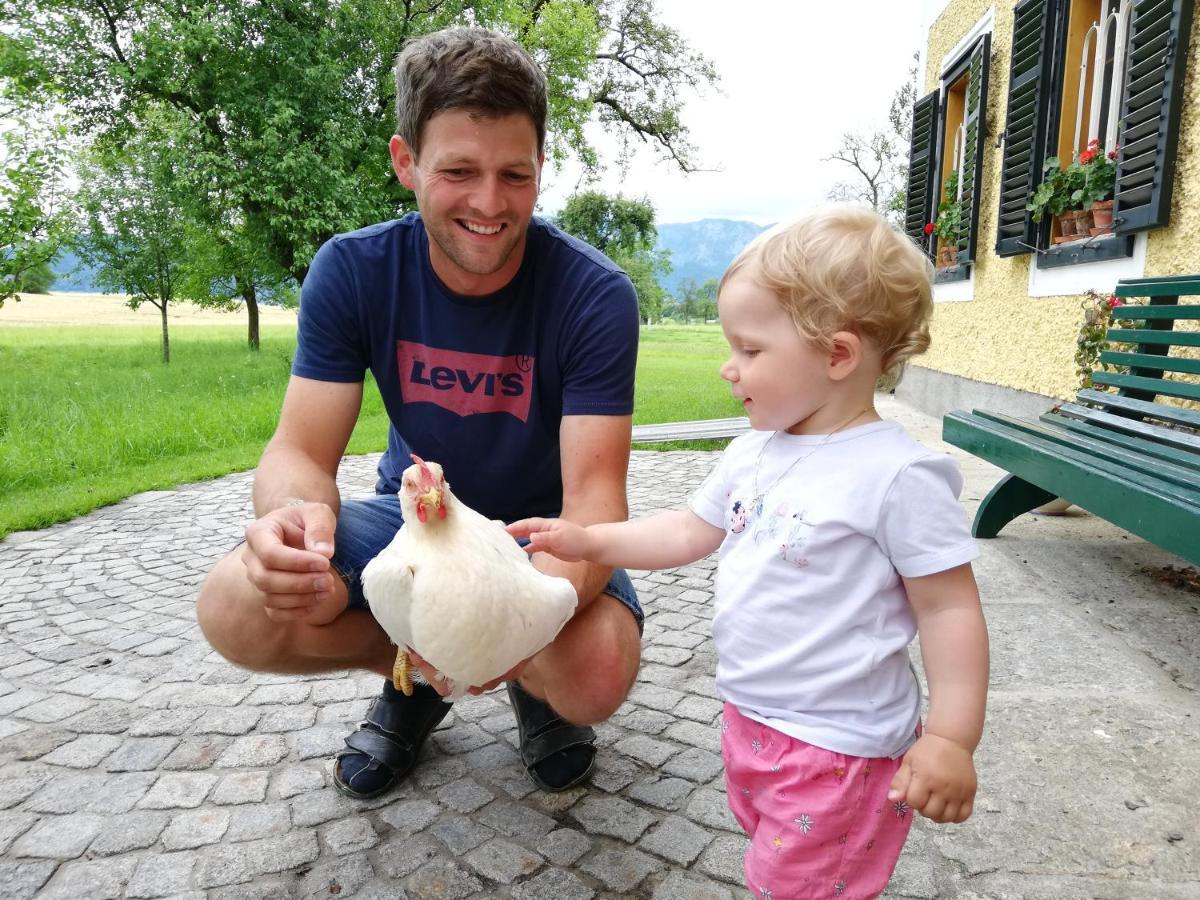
column 477, row 384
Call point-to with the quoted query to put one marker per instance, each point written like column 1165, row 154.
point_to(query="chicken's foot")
column 401, row 673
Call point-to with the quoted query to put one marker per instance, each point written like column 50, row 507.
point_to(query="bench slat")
column 705, row 429
column 1173, row 311
column 1145, row 408
column 1181, row 439
column 1141, row 336
column 1149, row 507
column 1126, row 461
column 1148, row 361
column 1099, row 432
column 1162, row 386
column 1170, row 286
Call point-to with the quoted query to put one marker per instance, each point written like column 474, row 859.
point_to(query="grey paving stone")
column 83, row 752
column 705, row 737
column 103, row 718
column 553, row 884
column 678, row 886
column 461, row 738
column 647, row 750
column 241, row 787
column 61, row 837
column 669, row 656
column 338, row 877
column 723, row 858
column 515, row 820
column 709, row 807
column 288, row 718
column 118, row 794
column 696, row 765
column 15, row 790
column 195, row 828
column 612, row 816
column 35, row 742
column 621, row 869
column 235, row 863
column 140, row 754
column 702, row 709
column 132, row 831
column 464, row 795
column 411, row 816
column 295, row 780
column 54, row 709
column 235, row 721
column 647, row 721
column 12, row 826
column 21, row 880
column 442, row 880
column 254, row 750
column 349, row 836
column 460, row 833
column 258, row 820
column 161, row 875
column 613, row 773
column 333, row 691
column 502, row 861
column 163, row 722
column 677, row 840
column 664, row 793
column 99, row 879
column 183, row 790
column 565, row 846
column 320, row 741
column 401, row 856
column 322, row 806
column 282, row 694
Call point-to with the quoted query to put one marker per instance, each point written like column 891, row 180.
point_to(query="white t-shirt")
column 812, row 623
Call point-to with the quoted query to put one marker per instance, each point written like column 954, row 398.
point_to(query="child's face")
column 780, row 378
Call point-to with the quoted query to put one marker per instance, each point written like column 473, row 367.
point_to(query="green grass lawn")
column 89, row 416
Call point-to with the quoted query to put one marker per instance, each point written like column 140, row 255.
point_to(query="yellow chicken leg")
column 401, row 674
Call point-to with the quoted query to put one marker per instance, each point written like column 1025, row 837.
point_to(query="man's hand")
column 558, row 537
column 442, row 686
column 937, row 779
column 287, row 555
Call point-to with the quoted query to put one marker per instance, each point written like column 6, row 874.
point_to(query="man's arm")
column 289, row 545
column 595, row 463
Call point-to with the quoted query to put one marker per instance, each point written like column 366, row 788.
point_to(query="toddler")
column 840, row 539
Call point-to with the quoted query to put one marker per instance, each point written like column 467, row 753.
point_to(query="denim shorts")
column 365, row 527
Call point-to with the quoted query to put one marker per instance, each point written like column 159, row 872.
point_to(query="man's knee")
column 598, row 665
column 233, row 625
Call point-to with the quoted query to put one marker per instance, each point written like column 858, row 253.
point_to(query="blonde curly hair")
column 844, row 268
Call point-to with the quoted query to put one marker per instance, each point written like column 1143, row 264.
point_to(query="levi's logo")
column 465, row 383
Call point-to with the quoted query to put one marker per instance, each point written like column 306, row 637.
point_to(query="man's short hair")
column 466, row 68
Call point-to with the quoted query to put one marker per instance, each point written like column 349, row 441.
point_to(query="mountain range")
column 699, row 251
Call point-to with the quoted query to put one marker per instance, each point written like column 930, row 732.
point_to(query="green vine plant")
column 1098, row 317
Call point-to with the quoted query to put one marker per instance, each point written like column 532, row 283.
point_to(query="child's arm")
column 937, row 777
column 660, row 541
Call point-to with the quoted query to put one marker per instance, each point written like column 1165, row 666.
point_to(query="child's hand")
column 558, row 537
column 937, row 779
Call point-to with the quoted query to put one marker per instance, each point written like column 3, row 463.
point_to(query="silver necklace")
column 756, row 504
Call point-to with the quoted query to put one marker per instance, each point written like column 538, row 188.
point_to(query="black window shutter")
column 918, row 199
column 974, row 123
column 1024, row 124
column 1151, row 102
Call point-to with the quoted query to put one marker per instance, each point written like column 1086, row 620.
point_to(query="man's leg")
column 579, row 679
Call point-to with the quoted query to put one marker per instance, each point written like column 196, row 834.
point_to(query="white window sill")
column 1100, row 276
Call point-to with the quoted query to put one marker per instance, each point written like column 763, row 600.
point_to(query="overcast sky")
column 795, row 75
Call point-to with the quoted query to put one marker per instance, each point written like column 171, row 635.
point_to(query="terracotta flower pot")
column 946, row 256
column 1066, row 223
column 1102, row 214
column 1083, row 221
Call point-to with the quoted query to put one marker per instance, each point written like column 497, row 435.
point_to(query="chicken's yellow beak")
column 431, row 498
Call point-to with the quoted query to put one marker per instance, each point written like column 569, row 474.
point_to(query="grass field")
column 89, row 415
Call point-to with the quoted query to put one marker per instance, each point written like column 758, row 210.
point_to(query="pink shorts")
column 820, row 823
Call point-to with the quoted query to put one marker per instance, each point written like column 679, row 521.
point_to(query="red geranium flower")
column 1087, row 156
column 1113, row 301
column 1094, row 142
column 929, row 226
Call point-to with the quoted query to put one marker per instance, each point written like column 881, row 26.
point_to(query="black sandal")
column 556, row 754
column 385, row 747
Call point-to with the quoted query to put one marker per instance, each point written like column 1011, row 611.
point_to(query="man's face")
column 476, row 183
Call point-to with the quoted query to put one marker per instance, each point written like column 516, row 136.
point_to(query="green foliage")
column 36, row 280
column 695, row 301
column 948, row 224
column 1053, row 195
column 1098, row 317
column 1099, row 174
column 286, row 108
column 87, row 417
column 623, row 229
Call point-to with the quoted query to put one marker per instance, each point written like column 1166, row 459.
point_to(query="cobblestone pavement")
column 135, row 762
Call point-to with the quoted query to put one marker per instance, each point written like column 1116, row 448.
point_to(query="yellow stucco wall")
column 1003, row 336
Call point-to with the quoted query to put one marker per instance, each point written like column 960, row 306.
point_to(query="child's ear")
column 845, row 354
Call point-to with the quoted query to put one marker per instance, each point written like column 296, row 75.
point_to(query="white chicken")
column 456, row 588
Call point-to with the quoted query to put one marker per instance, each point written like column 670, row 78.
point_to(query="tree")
column 697, row 300
column 624, row 230
column 37, row 280
column 880, row 159
column 287, row 105
column 35, row 210
column 137, row 239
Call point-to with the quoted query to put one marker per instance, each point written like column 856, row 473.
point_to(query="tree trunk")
column 246, row 289
column 162, row 308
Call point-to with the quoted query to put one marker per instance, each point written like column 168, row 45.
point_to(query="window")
column 1109, row 71
column 946, row 164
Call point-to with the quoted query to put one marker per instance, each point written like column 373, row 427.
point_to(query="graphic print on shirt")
column 466, row 384
column 788, row 531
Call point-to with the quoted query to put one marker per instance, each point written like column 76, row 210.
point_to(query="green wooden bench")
column 1125, row 456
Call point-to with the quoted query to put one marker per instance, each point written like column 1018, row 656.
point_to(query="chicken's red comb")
column 426, row 474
